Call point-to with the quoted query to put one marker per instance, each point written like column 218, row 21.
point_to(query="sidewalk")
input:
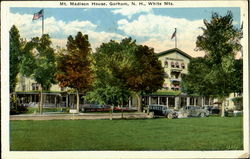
column 88, row 116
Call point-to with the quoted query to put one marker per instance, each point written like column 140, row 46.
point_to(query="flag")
column 174, row 34
column 38, row 15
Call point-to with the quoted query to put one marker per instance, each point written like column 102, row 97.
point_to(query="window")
column 165, row 85
column 166, row 75
column 177, row 65
column 165, row 64
column 35, row 86
column 183, row 65
column 23, row 87
column 62, row 89
column 172, row 64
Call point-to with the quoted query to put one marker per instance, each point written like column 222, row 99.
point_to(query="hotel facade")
column 175, row 63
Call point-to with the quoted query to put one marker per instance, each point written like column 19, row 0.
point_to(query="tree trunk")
column 222, row 109
column 77, row 100
column 138, row 102
column 122, row 109
column 41, row 101
column 111, row 112
column 222, row 100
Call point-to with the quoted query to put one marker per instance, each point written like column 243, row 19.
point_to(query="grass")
column 212, row 133
column 31, row 110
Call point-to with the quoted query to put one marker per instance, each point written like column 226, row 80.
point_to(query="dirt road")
column 88, row 116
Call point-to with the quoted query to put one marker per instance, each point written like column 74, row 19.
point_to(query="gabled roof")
column 174, row 50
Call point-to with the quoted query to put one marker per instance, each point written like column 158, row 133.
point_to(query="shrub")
column 238, row 102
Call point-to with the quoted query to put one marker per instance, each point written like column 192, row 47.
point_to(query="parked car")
column 211, row 109
column 208, row 107
column 193, row 111
column 124, row 109
column 215, row 110
column 105, row 108
column 162, row 110
column 94, row 108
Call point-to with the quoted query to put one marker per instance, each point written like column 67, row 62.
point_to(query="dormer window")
column 172, row 64
column 177, row 65
column 35, row 86
column 165, row 64
column 183, row 65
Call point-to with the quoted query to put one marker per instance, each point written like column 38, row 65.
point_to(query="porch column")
column 188, row 100
column 149, row 100
column 129, row 103
column 67, row 100
column 194, row 101
column 30, row 98
column 55, row 100
column 158, row 101
column 176, row 103
column 202, row 101
column 167, row 101
column 209, row 101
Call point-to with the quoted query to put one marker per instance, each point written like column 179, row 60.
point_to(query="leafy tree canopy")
column 220, row 38
column 218, row 71
column 195, row 82
column 111, row 63
column 74, row 65
column 15, row 56
column 125, row 68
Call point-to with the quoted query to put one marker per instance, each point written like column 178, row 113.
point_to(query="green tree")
column 146, row 74
column 196, row 82
column 127, row 68
column 39, row 64
column 111, row 62
column 237, row 75
column 74, row 67
column 15, row 56
column 220, row 41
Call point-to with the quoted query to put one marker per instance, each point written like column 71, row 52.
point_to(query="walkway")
column 88, row 116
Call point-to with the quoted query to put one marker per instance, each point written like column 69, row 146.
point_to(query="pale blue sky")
column 151, row 26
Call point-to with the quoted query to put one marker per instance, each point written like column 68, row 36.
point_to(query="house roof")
column 174, row 50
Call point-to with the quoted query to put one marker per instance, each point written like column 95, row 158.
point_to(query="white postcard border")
column 116, row 154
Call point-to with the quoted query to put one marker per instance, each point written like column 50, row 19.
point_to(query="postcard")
column 124, row 79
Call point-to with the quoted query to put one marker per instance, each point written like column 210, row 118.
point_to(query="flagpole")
column 175, row 37
column 43, row 23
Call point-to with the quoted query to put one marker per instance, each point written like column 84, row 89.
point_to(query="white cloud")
column 97, row 38
column 52, row 26
column 159, row 29
column 129, row 12
column 75, row 26
column 59, row 30
column 154, row 29
column 185, row 46
column 59, row 43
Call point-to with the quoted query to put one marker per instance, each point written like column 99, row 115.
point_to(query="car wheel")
column 202, row 115
column 170, row 116
column 152, row 114
column 83, row 110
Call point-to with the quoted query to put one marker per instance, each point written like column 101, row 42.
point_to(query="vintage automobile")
column 193, row 111
column 162, row 110
column 105, row 108
column 211, row 109
column 95, row 108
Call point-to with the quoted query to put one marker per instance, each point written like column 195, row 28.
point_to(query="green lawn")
column 212, row 133
column 31, row 110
